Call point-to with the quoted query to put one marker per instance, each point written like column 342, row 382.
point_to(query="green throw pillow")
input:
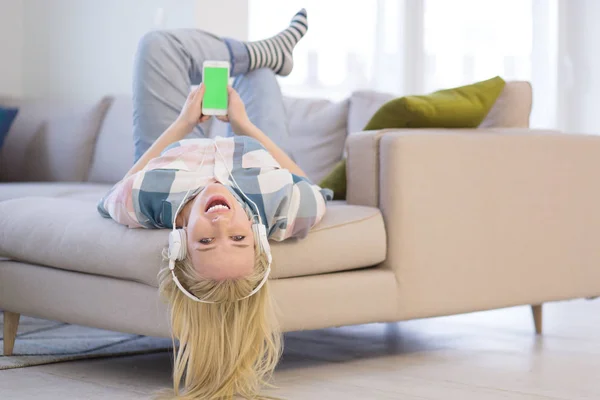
column 461, row 107
column 336, row 181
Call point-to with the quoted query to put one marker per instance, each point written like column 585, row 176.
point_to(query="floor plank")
column 492, row 355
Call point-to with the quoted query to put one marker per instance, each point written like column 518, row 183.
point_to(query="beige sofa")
column 437, row 221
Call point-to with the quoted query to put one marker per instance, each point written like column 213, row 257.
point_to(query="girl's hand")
column 236, row 113
column 191, row 113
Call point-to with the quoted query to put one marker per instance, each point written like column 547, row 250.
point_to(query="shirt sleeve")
column 118, row 203
column 302, row 208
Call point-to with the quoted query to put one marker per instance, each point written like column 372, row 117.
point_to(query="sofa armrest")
column 482, row 219
column 362, row 168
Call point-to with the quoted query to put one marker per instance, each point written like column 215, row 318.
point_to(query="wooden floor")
column 482, row 356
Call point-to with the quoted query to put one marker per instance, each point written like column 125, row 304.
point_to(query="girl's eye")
column 238, row 238
column 206, row 240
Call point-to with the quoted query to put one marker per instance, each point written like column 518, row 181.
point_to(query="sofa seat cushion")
column 72, row 190
column 70, row 234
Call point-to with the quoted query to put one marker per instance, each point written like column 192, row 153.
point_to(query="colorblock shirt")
column 289, row 205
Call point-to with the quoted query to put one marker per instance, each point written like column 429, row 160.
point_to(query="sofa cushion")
column 113, row 154
column 511, row 109
column 51, row 141
column 363, row 104
column 336, row 181
column 7, row 116
column 72, row 190
column 317, row 133
column 458, row 107
column 71, row 235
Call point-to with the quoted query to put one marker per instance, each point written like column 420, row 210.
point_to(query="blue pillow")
column 7, row 116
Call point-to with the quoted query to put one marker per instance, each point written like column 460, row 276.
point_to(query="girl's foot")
column 276, row 52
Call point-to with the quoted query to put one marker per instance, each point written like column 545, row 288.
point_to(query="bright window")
column 472, row 40
column 417, row 46
column 336, row 55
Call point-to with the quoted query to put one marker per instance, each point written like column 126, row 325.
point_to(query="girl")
column 220, row 197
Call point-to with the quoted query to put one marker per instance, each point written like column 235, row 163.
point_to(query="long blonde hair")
column 225, row 349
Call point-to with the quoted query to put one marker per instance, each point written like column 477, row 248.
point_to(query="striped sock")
column 276, row 52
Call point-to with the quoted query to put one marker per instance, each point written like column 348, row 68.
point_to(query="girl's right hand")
column 236, row 113
column 191, row 113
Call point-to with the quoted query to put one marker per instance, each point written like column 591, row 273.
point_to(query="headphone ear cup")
column 183, row 240
column 260, row 233
column 177, row 244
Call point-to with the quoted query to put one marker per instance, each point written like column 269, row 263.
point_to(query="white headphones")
column 178, row 240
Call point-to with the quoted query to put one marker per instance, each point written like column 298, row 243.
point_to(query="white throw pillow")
column 512, row 108
column 363, row 104
column 317, row 134
column 318, row 130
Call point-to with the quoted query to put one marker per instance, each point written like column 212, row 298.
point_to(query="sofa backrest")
column 51, row 140
column 61, row 141
column 113, row 153
column 317, row 129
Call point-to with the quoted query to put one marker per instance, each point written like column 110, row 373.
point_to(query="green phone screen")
column 215, row 81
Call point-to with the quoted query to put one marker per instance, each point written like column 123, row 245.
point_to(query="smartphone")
column 215, row 77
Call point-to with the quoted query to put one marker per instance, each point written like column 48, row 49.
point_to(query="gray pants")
column 167, row 63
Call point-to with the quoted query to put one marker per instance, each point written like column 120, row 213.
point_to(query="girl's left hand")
column 236, row 113
column 191, row 113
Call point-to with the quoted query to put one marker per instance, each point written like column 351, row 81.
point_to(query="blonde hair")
column 225, row 349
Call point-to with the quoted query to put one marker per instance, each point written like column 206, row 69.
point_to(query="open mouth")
column 217, row 204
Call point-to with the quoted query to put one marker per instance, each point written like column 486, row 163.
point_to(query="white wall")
column 11, row 46
column 84, row 49
column 223, row 17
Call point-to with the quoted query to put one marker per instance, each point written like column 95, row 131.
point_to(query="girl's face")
column 220, row 241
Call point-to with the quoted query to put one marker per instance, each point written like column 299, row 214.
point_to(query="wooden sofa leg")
column 11, row 323
column 537, row 318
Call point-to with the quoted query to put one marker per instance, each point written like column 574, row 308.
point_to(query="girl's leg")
column 167, row 63
column 259, row 88
column 261, row 94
